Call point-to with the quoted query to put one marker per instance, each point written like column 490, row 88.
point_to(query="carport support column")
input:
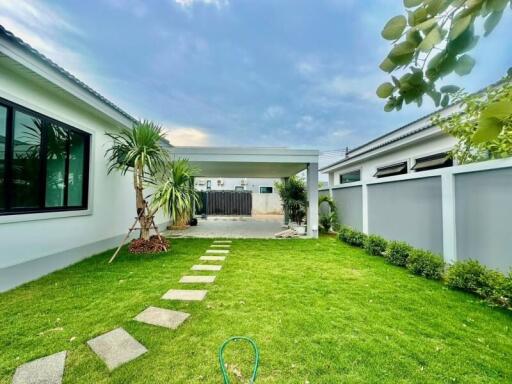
column 285, row 181
column 312, row 175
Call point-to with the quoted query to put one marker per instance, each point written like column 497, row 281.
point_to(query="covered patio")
column 251, row 162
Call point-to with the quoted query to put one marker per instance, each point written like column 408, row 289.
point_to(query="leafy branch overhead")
column 431, row 43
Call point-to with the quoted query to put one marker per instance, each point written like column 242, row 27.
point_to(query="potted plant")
column 294, row 197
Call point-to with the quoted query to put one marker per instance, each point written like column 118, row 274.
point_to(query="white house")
column 58, row 205
column 415, row 147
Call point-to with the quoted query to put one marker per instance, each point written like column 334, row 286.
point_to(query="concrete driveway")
column 252, row 227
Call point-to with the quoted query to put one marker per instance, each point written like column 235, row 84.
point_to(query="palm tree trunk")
column 145, row 221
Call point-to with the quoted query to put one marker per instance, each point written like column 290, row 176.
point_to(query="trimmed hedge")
column 426, row 264
column 398, row 252
column 375, row 245
column 352, row 237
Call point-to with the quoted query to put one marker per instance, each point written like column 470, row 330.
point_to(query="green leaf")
column 489, row 129
column 412, row 3
column 433, row 38
column 434, row 6
column 414, row 37
column 464, row 65
column 465, row 42
column 449, row 89
column 417, row 17
column 497, row 5
column 388, row 66
column 445, row 101
column 385, row 90
column 435, row 96
column 426, row 24
column 390, row 105
column 402, row 53
column 500, row 110
column 491, row 22
column 459, row 26
column 394, row 28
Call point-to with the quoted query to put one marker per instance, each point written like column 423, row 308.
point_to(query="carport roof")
column 247, row 161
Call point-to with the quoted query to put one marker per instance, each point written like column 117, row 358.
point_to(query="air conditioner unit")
column 200, row 182
column 243, row 182
column 220, row 182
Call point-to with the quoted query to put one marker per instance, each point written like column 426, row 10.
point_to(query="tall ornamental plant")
column 294, row 197
column 139, row 150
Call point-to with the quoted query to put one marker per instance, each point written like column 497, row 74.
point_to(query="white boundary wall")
column 463, row 212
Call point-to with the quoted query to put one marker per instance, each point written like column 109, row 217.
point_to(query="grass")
column 320, row 311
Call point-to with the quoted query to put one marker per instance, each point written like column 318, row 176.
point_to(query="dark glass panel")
column 56, row 155
column 3, row 130
column 76, row 169
column 26, row 162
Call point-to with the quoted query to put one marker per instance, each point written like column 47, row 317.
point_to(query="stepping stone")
column 116, row 348
column 212, row 258
column 202, row 267
column 222, row 242
column 162, row 317
column 218, row 251
column 185, row 295
column 46, row 370
column 220, row 246
column 197, row 279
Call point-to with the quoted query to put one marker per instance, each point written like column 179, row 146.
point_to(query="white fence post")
column 364, row 190
column 449, row 218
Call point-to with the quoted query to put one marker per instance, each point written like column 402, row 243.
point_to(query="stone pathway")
column 197, row 279
column 162, row 317
column 46, row 370
column 206, row 267
column 185, row 295
column 212, row 258
column 218, row 251
column 116, row 348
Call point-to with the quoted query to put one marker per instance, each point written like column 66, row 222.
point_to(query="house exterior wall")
column 416, row 149
column 349, row 204
column 36, row 244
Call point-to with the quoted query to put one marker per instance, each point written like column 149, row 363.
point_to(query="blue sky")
column 290, row 73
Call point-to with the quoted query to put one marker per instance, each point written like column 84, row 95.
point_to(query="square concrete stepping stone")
column 218, row 251
column 197, row 279
column 116, row 348
column 222, row 242
column 203, row 267
column 220, row 246
column 185, row 295
column 212, row 258
column 46, row 370
column 162, row 317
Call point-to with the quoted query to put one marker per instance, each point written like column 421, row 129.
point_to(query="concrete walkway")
column 257, row 227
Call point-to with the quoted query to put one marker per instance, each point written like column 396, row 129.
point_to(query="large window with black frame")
column 44, row 163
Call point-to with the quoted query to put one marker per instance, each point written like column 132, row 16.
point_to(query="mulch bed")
column 153, row 245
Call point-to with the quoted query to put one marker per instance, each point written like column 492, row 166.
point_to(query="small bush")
column 352, row 237
column 375, row 245
column 398, row 252
column 470, row 276
column 426, row 264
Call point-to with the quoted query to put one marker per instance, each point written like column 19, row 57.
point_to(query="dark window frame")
column 381, row 171
column 349, row 173
column 8, row 161
column 266, row 188
column 419, row 162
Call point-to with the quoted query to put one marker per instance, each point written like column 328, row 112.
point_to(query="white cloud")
column 273, row 112
column 181, row 135
column 190, row 3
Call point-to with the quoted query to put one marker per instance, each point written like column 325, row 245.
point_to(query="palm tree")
column 140, row 151
column 176, row 194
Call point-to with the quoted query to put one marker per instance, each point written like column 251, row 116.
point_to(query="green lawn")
column 320, row 311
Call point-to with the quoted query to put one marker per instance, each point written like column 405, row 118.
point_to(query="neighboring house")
column 265, row 199
column 57, row 203
column 415, row 147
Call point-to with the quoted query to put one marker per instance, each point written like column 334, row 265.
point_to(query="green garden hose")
column 256, row 357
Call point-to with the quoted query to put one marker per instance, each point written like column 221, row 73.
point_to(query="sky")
column 286, row 73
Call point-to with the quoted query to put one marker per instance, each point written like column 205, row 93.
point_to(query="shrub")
column 426, row 264
column 352, row 237
column 375, row 245
column 398, row 252
column 470, row 276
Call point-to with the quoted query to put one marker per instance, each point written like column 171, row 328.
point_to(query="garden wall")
column 462, row 212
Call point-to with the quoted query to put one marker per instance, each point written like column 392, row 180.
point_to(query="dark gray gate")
column 226, row 203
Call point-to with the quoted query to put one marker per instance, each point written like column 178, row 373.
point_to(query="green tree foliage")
column 431, row 42
column 483, row 128
column 294, row 197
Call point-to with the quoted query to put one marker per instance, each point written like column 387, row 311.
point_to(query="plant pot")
column 300, row 229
